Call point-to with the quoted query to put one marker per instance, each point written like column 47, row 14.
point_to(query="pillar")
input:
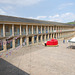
column 37, row 38
column 32, row 29
column 13, row 43
column 26, row 29
column 41, row 29
column 13, row 30
column 51, row 36
column 41, row 35
column 56, row 32
column 3, row 30
column 50, row 29
column 48, row 32
column 21, row 41
column 20, row 30
column 32, row 39
column 27, row 41
column 45, row 33
column 41, row 38
column 37, row 33
column 4, row 45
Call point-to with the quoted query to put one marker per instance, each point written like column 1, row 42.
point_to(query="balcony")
column 17, row 33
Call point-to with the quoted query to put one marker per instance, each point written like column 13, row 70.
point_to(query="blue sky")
column 51, row 10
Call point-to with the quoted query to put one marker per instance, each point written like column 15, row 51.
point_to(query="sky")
column 49, row 10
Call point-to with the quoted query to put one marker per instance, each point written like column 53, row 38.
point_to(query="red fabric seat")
column 52, row 42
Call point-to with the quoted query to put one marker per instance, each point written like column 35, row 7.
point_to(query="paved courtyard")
column 40, row 60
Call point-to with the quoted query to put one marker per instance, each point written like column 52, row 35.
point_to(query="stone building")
column 16, row 31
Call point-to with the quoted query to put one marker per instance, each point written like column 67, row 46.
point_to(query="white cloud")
column 20, row 2
column 66, row 17
column 2, row 12
column 57, row 15
column 7, row 7
column 62, row 6
column 41, row 17
column 38, row 17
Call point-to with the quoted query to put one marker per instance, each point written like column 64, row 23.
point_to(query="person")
column 63, row 40
column 45, row 44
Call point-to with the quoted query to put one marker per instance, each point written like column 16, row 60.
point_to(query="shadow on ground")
column 71, row 47
column 8, row 69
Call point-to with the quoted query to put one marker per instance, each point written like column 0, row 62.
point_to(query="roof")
column 26, row 20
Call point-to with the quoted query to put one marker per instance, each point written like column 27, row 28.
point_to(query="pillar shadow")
column 71, row 47
column 8, row 69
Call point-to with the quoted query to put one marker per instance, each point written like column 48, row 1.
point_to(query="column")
column 4, row 45
column 41, row 29
column 53, row 31
column 27, row 41
column 50, row 29
column 51, row 36
column 21, row 41
column 20, row 34
column 32, row 29
column 20, row 30
column 4, row 40
column 37, row 38
column 56, row 32
column 41, row 32
column 37, row 33
column 32, row 36
column 32, row 39
column 45, row 33
column 41, row 38
column 13, row 43
column 48, row 32
column 3, row 30
column 26, row 29
column 13, row 30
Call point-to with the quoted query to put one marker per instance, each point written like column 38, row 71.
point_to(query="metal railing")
column 1, row 34
column 30, row 32
column 34, row 32
column 8, row 33
column 42, row 31
column 16, row 33
column 23, row 33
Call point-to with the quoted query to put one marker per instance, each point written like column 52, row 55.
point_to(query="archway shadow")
column 8, row 69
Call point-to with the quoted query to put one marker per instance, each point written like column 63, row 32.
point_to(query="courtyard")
column 40, row 60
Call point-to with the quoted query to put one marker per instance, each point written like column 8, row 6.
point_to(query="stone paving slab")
column 41, row 60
